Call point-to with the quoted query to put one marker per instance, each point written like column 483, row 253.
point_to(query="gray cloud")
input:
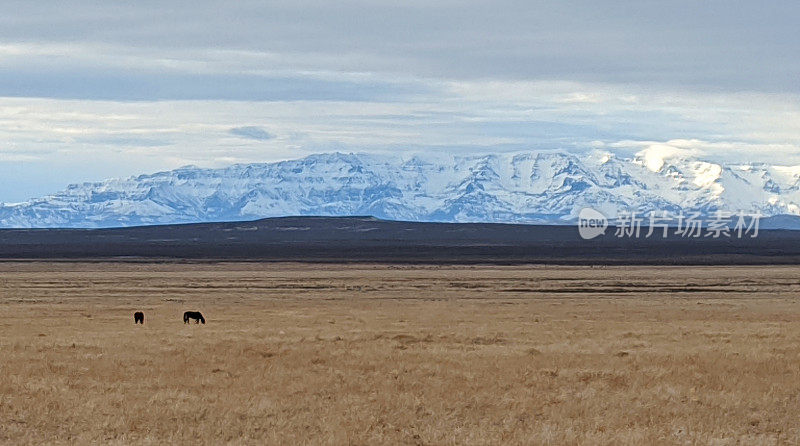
column 251, row 132
column 124, row 140
column 118, row 84
column 726, row 46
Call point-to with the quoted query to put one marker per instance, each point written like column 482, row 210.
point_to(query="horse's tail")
column 186, row 318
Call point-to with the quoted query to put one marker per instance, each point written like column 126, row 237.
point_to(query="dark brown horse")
column 138, row 318
column 193, row 315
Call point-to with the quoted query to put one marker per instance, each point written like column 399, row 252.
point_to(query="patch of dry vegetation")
column 398, row 355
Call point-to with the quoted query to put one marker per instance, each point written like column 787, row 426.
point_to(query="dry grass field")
column 372, row 354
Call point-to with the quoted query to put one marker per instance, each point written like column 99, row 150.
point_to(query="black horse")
column 138, row 318
column 193, row 315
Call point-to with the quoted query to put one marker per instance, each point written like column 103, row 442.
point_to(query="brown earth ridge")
column 367, row 239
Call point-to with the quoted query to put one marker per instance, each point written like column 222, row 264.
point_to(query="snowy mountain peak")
column 532, row 187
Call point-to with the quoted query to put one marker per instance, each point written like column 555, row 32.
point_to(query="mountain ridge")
column 536, row 187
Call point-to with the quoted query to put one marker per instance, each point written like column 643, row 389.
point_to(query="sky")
column 98, row 89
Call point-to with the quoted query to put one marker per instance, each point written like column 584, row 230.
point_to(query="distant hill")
column 367, row 239
column 535, row 187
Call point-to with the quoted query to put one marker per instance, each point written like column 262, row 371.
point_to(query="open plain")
column 398, row 354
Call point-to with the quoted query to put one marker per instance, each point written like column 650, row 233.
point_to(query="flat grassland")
column 388, row 354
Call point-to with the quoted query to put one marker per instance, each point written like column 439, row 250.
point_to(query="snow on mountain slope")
column 533, row 187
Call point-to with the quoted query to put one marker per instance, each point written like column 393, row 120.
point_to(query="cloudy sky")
column 98, row 89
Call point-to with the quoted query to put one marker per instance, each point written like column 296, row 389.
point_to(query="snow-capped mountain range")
column 529, row 187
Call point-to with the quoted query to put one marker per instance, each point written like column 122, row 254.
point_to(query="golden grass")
column 375, row 354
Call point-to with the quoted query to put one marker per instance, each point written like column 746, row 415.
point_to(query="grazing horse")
column 138, row 318
column 193, row 315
